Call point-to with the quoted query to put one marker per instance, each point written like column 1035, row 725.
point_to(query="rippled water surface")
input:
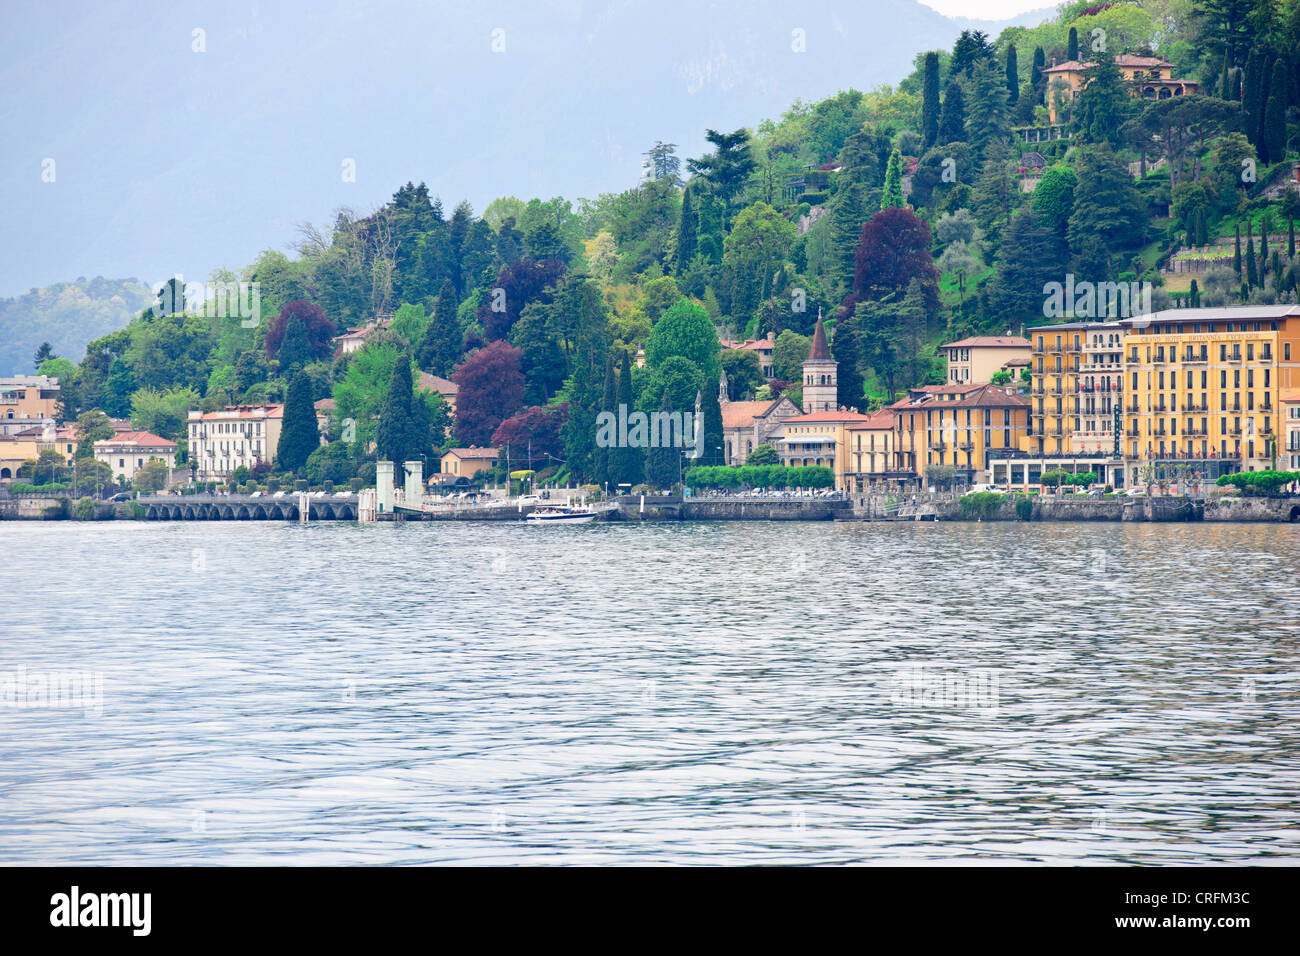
column 694, row 693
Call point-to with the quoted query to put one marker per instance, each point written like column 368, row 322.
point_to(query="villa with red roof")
column 127, row 452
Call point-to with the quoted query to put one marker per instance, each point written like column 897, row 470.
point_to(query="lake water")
column 694, row 693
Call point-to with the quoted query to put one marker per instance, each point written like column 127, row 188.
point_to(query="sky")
column 985, row 9
column 149, row 139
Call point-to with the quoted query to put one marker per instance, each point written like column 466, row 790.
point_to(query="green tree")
column 295, row 350
column 687, row 229
column 1107, row 206
column 626, row 462
column 163, row 412
column 151, row 478
column 685, row 330
column 92, row 426
column 952, row 120
column 763, row 454
column 43, row 353
column 393, row 434
column 1013, row 76
column 1103, row 103
column 988, row 115
column 663, row 462
column 604, row 466
column 711, row 414
column 299, row 435
column 930, row 101
column 441, row 343
column 728, row 166
column 893, row 194
column 850, row 389
column 789, row 352
column 1053, row 198
column 1273, row 139
column 744, row 373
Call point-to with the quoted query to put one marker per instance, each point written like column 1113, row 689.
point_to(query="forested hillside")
column 67, row 316
column 905, row 215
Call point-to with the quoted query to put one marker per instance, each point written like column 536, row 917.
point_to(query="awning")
column 808, row 440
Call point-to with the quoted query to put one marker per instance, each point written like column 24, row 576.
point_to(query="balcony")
column 967, row 446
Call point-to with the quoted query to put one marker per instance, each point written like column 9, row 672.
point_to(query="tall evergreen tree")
column 1072, row 45
column 393, row 435
column 850, row 208
column 988, row 117
column 662, row 462
column 952, row 119
column 1103, row 103
column 45, row 351
column 893, row 194
column 711, row 413
column 1273, row 138
column 626, row 462
column 609, row 403
column 299, row 435
column 1236, row 253
column 1252, row 275
column 295, row 349
column 1013, row 75
column 1036, row 75
column 930, row 100
column 687, row 228
column 440, row 347
column 850, row 388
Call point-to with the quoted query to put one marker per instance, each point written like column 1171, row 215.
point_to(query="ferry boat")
column 560, row 516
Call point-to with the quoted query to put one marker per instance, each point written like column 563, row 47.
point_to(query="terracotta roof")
column 141, row 439
column 469, row 453
column 815, row 417
column 436, row 383
column 742, row 414
column 820, row 351
column 990, row 342
column 1123, row 61
column 881, row 418
column 1290, row 395
column 325, row 405
column 244, row 411
column 979, row 396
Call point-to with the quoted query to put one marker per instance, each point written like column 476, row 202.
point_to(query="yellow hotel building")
column 1194, row 385
column 957, row 425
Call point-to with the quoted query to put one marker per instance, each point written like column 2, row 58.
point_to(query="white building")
column 237, row 435
column 127, row 452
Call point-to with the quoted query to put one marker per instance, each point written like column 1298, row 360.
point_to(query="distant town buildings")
column 221, row 441
column 127, row 452
column 28, row 401
column 1148, row 78
column 957, row 426
column 974, row 361
column 468, row 462
column 746, row 425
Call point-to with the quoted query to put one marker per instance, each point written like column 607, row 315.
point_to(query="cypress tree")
column 393, row 438
column 687, row 231
column 1195, row 295
column 1072, row 45
column 441, row 344
column 1236, row 253
column 1250, row 97
column 1013, row 76
column 952, row 118
column 662, row 461
column 1290, row 239
column 930, row 100
column 295, row 350
column 1263, row 236
column 1224, row 91
column 626, row 462
column 893, row 195
column 711, row 413
column 299, row 436
column 849, row 386
column 1273, row 137
column 608, row 404
column 1252, row 275
column 1036, row 74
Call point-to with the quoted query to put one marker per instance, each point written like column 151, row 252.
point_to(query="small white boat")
column 560, row 516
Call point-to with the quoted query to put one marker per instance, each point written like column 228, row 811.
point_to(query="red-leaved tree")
column 315, row 322
column 491, row 390
column 893, row 250
column 536, row 428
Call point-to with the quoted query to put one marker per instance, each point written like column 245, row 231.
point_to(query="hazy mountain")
column 67, row 315
column 169, row 160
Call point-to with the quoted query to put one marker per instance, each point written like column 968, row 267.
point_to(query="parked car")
column 121, row 496
column 529, row 499
column 1135, row 493
column 279, row 494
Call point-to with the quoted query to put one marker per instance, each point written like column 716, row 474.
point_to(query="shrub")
column 1259, row 482
column 981, row 504
column 592, row 492
column 1024, row 508
column 86, row 509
